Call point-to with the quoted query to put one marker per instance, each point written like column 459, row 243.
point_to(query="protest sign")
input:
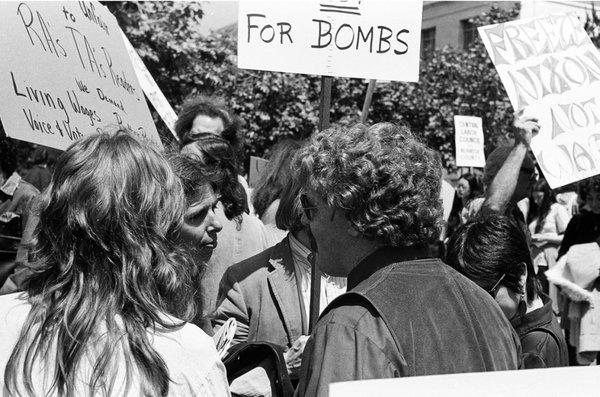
column 544, row 382
column 151, row 89
column 257, row 166
column 551, row 70
column 363, row 39
column 65, row 73
column 468, row 140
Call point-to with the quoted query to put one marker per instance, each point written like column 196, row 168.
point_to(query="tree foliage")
column 275, row 105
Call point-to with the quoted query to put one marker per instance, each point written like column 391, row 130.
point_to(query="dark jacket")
column 261, row 293
column 542, row 341
column 406, row 317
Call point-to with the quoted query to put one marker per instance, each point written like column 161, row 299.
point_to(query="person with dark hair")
column 105, row 310
column 464, row 207
column 269, row 293
column 371, row 196
column 547, row 222
column 585, row 226
column 242, row 235
column 43, row 159
column 266, row 194
column 493, row 252
column 201, row 115
column 509, row 173
column 201, row 186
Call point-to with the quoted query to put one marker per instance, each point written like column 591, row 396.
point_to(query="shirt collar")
column 299, row 250
column 383, row 257
column 11, row 184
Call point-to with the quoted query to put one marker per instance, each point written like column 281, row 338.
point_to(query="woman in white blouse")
column 547, row 222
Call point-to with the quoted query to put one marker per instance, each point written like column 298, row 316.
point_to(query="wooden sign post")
column 374, row 40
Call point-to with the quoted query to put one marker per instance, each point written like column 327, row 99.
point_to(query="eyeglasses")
column 492, row 291
column 307, row 207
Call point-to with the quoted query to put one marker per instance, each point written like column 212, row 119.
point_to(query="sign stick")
column 368, row 98
column 315, row 275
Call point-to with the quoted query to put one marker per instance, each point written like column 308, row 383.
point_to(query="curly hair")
column 107, row 269
column 387, row 182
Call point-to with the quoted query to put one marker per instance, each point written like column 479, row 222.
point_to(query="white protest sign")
column 544, row 382
column 151, row 89
column 65, row 73
column 363, row 39
column 469, row 141
column 551, row 69
column 257, row 166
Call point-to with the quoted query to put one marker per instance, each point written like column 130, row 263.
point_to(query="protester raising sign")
column 365, row 39
column 551, row 70
column 65, row 73
column 469, row 141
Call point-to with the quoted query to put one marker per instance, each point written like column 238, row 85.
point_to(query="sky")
column 218, row 14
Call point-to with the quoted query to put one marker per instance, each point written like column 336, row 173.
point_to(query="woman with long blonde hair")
column 106, row 310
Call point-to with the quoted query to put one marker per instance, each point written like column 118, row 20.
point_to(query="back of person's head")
column 214, row 152
column 108, row 270
column 211, row 107
column 385, row 180
column 493, row 248
column 275, row 175
column 289, row 213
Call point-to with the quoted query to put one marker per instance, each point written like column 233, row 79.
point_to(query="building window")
column 427, row 42
column 469, row 33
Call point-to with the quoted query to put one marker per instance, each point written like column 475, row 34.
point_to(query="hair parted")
column 387, row 182
column 487, row 248
column 107, row 269
column 212, row 107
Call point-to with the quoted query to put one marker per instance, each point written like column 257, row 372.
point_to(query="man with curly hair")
column 371, row 199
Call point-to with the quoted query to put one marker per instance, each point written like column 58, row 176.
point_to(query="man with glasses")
column 371, row 199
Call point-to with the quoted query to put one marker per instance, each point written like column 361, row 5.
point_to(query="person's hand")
column 293, row 356
column 525, row 128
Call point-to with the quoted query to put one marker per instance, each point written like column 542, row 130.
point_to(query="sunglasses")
column 492, row 291
column 308, row 207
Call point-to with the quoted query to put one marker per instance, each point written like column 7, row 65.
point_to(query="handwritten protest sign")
column 544, row 382
column 151, row 89
column 65, row 73
column 257, row 166
column 364, row 39
column 469, row 141
column 551, row 69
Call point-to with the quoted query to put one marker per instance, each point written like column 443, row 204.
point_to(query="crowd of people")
column 129, row 259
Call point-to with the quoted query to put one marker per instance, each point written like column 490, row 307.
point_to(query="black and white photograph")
column 300, row 198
